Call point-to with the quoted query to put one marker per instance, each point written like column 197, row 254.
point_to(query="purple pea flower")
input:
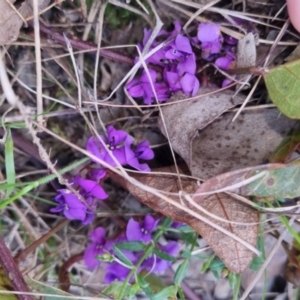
column 115, row 272
column 225, row 62
column 211, row 40
column 119, row 142
column 180, row 48
column 187, row 65
column 136, row 231
column 71, row 206
column 173, row 80
column 118, row 272
column 138, row 88
column 91, row 188
column 143, row 151
column 158, row 265
column 190, row 84
column 97, row 174
column 98, row 247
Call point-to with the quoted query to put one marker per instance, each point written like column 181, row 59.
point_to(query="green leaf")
column 217, row 265
column 164, row 255
column 186, row 253
column 144, row 285
column 52, row 292
column 286, row 148
column 256, row 263
column 207, row 264
column 283, row 84
column 181, row 272
column 167, row 292
column 188, row 237
column 155, row 283
column 123, row 257
column 131, row 246
column 282, row 182
column 133, row 290
column 114, row 288
column 9, row 162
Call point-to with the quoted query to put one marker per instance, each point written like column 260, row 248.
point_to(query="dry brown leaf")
column 184, row 119
column 11, row 22
column 235, row 256
column 224, row 146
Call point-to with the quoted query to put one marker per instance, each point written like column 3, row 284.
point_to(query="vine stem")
column 58, row 37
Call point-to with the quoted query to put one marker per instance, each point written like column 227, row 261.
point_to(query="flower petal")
column 208, row 32
column 183, row 44
column 187, row 66
column 150, row 223
column 98, row 236
column 96, row 147
column 143, row 151
column 133, row 230
column 91, row 187
column 190, row 84
column 90, row 254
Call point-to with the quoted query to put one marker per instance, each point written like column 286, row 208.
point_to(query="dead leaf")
column 235, row 256
column 249, row 141
column 11, row 22
column 184, row 119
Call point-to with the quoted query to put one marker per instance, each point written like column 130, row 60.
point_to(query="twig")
column 58, row 37
column 12, row 272
column 23, row 254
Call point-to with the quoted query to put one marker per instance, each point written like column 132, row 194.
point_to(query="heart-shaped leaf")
column 283, row 84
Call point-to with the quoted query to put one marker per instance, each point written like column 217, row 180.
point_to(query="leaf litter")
column 197, row 127
column 244, row 218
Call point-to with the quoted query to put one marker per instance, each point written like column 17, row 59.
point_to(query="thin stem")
column 58, row 37
column 12, row 272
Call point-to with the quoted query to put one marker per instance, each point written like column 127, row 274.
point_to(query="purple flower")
column 177, row 225
column 91, row 188
column 136, row 231
column 172, row 78
column 117, row 141
column 158, row 265
column 225, row 62
column 115, row 272
column 180, row 48
column 68, row 203
column 118, row 272
column 98, row 247
column 211, row 39
column 143, row 151
column 227, row 81
column 190, row 84
column 138, row 88
column 187, row 65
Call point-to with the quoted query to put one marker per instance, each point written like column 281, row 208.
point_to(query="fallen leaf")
column 11, row 22
column 183, row 119
column 224, row 146
column 234, row 255
column 245, row 59
column 283, row 85
column 271, row 180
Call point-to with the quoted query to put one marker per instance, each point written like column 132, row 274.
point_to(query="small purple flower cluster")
column 115, row 148
column 135, row 231
column 178, row 61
